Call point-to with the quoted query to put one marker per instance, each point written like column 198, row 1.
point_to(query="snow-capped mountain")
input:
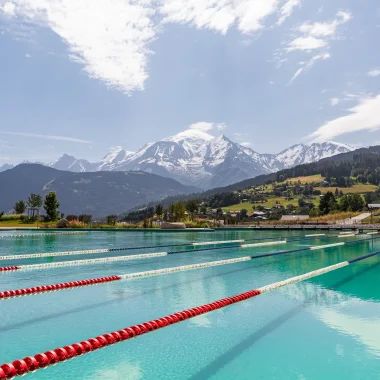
column 304, row 154
column 197, row 158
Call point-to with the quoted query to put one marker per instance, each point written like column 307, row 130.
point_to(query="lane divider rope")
column 146, row 256
column 216, row 242
column 107, row 250
column 263, row 244
column 42, row 360
column 43, row 234
column 74, row 284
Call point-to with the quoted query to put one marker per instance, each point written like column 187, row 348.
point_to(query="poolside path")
column 356, row 219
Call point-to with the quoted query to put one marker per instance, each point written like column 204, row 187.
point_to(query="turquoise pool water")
column 325, row 328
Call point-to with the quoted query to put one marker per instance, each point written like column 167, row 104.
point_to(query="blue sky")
column 80, row 76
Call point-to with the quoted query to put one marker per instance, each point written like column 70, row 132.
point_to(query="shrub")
column 111, row 220
column 85, row 218
column 72, row 218
column 13, row 216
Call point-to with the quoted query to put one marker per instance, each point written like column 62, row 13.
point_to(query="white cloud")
column 287, row 10
column 306, row 43
column 202, row 126
column 334, row 101
column 315, row 35
column 220, row 127
column 296, row 75
column 365, row 116
column 49, row 137
column 325, row 29
column 219, row 15
column 109, row 38
column 205, row 126
column 9, row 8
column 374, row 73
column 308, row 65
column 27, row 55
column 246, row 143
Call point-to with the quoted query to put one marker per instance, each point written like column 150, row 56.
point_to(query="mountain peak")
column 190, row 134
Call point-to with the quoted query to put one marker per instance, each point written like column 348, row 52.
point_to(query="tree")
column 243, row 213
column 191, row 207
column 20, row 207
column 344, row 203
column 111, row 220
column 327, row 203
column 34, row 202
column 159, row 210
column 179, row 211
column 51, row 205
column 356, row 202
column 301, row 202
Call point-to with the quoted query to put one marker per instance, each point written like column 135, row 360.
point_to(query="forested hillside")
column 363, row 167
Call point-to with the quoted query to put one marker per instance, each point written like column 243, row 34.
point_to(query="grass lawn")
column 17, row 223
column 349, row 190
column 307, row 179
column 270, row 203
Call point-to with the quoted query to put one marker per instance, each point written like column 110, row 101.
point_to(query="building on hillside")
column 289, row 218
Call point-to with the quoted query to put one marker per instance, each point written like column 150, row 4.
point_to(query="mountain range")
column 96, row 193
column 194, row 157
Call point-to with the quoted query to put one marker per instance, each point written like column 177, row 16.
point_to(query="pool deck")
column 371, row 227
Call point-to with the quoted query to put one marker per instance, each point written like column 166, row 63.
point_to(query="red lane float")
column 11, row 268
column 56, row 287
column 32, row 363
column 42, row 360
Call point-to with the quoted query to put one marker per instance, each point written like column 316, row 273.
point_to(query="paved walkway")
column 356, row 219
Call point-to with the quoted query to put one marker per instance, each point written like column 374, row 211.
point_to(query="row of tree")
column 352, row 202
column 35, row 202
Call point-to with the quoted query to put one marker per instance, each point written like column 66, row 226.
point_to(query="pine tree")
column 20, row 207
column 51, row 205
column 159, row 210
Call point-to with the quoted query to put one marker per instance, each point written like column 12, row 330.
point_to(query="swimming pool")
column 327, row 327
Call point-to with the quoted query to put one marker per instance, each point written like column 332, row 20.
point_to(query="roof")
column 294, row 217
column 374, row 205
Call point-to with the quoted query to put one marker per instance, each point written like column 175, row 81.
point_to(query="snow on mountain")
column 197, row 158
column 72, row 164
column 5, row 167
column 114, row 158
column 304, row 154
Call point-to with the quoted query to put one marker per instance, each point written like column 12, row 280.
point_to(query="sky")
column 81, row 76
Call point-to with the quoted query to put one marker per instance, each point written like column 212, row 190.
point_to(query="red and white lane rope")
column 95, row 281
column 32, row 363
column 156, row 272
column 101, row 260
column 42, row 234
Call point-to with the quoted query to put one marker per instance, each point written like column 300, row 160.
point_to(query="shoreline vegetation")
column 302, row 201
